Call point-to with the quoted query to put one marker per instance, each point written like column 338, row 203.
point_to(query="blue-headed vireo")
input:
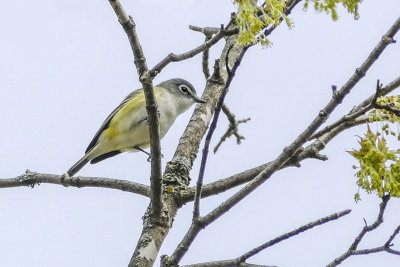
column 126, row 128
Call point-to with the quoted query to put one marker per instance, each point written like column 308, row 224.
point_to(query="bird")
column 127, row 127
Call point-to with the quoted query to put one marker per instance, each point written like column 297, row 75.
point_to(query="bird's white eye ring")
column 184, row 89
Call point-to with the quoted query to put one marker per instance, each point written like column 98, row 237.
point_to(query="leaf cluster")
column 252, row 18
column 330, row 6
column 379, row 169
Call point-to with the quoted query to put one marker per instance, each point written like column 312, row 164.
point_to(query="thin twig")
column 208, row 31
column 129, row 26
column 189, row 54
column 376, row 250
column 390, row 240
column 239, row 261
column 205, row 57
column 232, row 128
column 297, row 231
column 32, row 179
column 226, row 263
column 367, row 228
column 395, row 111
column 361, row 109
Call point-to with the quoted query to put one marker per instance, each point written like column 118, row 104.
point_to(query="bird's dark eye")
column 183, row 88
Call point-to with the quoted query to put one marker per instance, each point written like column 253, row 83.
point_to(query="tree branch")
column 368, row 228
column 33, row 178
column 209, row 31
column 226, row 263
column 352, row 119
column 390, row 240
column 375, row 250
column 388, row 108
column 189, row 54
column 361, row 109
column 297, row 231
column 241, row 259
column 205, row 57
column 129, row 26
column 288, row 152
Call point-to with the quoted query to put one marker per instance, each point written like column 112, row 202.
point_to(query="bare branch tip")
column 379, row 86
column 194, row 28
column 345, row 212
column 321, row 157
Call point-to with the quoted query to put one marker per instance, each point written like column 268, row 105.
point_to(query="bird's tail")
column 79, row 165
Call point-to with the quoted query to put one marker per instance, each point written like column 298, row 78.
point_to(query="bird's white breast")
column 170, row 107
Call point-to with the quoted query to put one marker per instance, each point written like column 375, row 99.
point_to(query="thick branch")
column 33, row 178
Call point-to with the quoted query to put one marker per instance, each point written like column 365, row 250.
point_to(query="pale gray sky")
column 66, row 64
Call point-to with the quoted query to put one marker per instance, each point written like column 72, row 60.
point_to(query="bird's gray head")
column 182, row 88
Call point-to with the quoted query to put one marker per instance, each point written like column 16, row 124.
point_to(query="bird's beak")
column 199, row 100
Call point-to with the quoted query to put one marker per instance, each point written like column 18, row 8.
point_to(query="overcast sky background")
column 66, row 64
